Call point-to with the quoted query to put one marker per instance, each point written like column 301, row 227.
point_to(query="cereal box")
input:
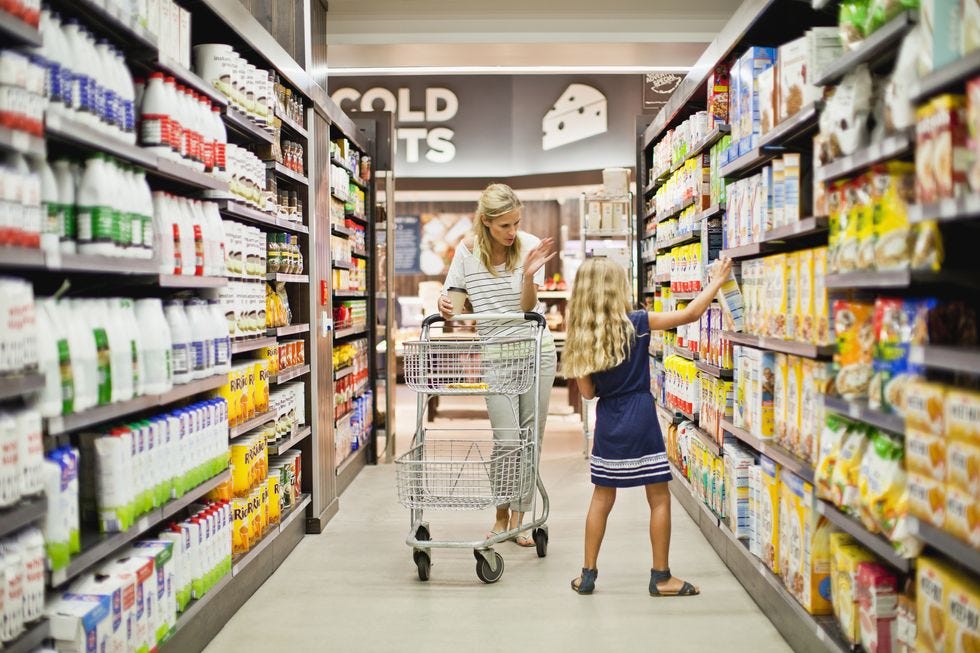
column 821, row 303
column 755, row 61
column 778, row 193
column 962, row 415
column 962, row 615
column 776, row 299
column 933, row 580
column 767, row 100
column 780, row 428
column 962, row 515
column 795, row 198
column 963, row 467
column 793, row 85
column 792, row 294
column 817, row 376
column 803, row 317
column 794, row 400
column 973, row 126
column 807, row 534
column 854, row 328
column 763, row 380
column 768, row 513
column 927, row 498
column 718, row 87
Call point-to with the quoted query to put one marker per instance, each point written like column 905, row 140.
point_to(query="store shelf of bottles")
column 351, row 332
column 68, row 130
column 22, row 257
column 287, row 173
column 275, row 448
column 191, row 281
column 780, row 239
column 254, row 423
column 18, row 141
column 952, row 359
column 104, row 19
column 948, row 210
column 26, row 511
column 282, row 277
column 804, row 349
column 241, row 562
column 15, row 32
column 251, row 344
column 682, row 239
column 782, row 456
column 241, row 124
column 714, row 370
column 291, row 124
column 101, row 264
column 878, row 544
column 289, row 374
column 245, row 213
column 859, row 410
column 20, row 384
column 953, row 548
column 31, row 639
column 97, row 415
column 290, row 330
column 889, row 148
column 879, row 46
column 96, row 546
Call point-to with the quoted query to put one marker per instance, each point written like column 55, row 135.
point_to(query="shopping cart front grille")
column 490, row 365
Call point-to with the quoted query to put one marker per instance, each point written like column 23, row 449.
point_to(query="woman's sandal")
column 586, row 582
column 525, row 540
column 660, row 576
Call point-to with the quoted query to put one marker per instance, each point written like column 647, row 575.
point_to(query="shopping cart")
column 470, row 469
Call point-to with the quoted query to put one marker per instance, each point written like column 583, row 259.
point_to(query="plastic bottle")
column 109, row 114
column 180, row 336
column 127, row 97
column 176, row 135
column 84, row 351
column 127, row 316
column 187, row 236
column 50, row 205
column 54, row 363
column 156, row 117
column 25, row 199
column 67, row 224
column 202, row 240
column 82, row 104
column 145, row 196
column 220, row 144
column 156, row 372
column 166, row 234
column 95, row 212
column 222, row 341
column 200, row 343
column 219, row 237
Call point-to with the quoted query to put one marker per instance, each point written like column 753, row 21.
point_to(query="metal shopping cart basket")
column 473, row 469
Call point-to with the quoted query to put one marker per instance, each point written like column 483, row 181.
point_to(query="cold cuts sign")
column 502, row 125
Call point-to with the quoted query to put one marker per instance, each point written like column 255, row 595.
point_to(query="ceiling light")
column 504, row 70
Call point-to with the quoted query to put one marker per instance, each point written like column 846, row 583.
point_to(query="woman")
column 501, row 268
column 607, row 354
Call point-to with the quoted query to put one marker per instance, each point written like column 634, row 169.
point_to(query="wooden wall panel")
column 318, row 45
column 284, row 20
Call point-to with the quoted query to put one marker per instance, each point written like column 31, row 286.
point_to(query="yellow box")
column 794, row 400
column 806, row 534
column 768, row 518
column 275, row 512
column 962, row 414
column 925, row 453
column 927, row 499
column 271, row 354
column 817, row 376
column 241, row 466
column 962, row 615
column 932, row 587
column 962, row 515
column 256, row 526
column 240, row 538
column 924, row 406
column 805, row 328
column 260, row 386
column 780, row 388
column 821, row 304
column 846, row 555
column 963, row 467
column 792, row 277
column 777, row 296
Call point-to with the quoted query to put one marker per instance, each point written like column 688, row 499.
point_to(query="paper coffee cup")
column 458, row 297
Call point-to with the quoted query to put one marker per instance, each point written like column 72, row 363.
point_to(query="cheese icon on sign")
column 579, row 113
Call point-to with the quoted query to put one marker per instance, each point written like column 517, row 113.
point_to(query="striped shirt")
column 500, row 293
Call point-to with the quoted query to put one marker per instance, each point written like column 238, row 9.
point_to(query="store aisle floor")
column 357, row 583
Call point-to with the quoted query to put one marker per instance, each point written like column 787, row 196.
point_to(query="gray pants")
column 508, row 413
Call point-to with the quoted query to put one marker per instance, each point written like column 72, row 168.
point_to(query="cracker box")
column 924, row 406
column 963, row 467
column 768, row 513
column 767, row 100
column 925, row 453
column 807, row 535
column 962, row 615
column 718, row 88
column 962, row 515
column 933, row 584
column 927, row 498
column 962, row 415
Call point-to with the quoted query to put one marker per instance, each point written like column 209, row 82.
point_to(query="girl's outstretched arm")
column 586, row 387
column 697, row 307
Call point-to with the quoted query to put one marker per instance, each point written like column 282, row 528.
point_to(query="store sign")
column 657, row 89
column 408, row 237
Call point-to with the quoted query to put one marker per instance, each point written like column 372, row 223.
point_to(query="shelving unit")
column 804, row 349
column 859, row 410
column 876, row 543
column 785, row 458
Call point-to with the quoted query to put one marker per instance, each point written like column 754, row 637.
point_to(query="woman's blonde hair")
column 497, row 200
column 600, row 333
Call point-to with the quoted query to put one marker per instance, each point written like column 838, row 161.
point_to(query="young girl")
column 607, row 354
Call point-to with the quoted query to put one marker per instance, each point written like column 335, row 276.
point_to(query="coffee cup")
column 458, row 297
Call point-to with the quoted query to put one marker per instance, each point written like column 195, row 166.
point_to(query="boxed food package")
column 732, row 303
column 780, row 426
column 854, row 328
column 932, row 590
column 940, row 20
column 140, row 577
column 121, row 606
column 776, row 299
column 927, row 498
column 962, row 515
column 768, row 512
column 963, row 467
column 878, row 607
column 792, row 294
column 803, row 319
column 778, row 193
column 161, row 553
column 924, row 406
column 973, row 127
column 767, row 100
column 942, row 155
column 79, row 622
column 962, row 415
column 751, row 65
column 794, row 404
column 906, row 619
column 806, row 573
column 963, row 615
column 816, row 379
column 762, row 383
column 925, row 453
column 821, row 302
column 795, row 190
column 718, row 87
column 893, row 190
column 845, row 556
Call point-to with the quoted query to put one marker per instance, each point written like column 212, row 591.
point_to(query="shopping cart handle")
column 529, row 316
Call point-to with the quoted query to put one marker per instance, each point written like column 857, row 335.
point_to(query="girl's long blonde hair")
column 496, row 200
column 600, row 333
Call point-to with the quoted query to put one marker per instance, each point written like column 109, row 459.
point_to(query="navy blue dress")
column 628, row 449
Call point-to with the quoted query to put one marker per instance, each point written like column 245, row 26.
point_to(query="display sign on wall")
column 657, row 89
column 408, row 234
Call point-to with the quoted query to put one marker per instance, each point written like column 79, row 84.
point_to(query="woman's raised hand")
column 538, row 256
column 721, row 268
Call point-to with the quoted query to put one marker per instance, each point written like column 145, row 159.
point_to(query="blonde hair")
column 497, row 200
column 600, row 333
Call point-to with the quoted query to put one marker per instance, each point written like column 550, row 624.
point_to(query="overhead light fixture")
column 504, row 70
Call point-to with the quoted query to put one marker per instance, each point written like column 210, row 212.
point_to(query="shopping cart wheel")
column 541, row 541
column 483, row 570
column 424, row 564
column 422, row 533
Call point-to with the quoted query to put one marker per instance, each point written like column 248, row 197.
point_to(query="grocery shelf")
column 290, row 330
column 16, row 32
column 877, row 543
column 239, row 563
column 951, row 76
column 243, row 345
column 347, row 333
column 361, row 387
column 341, row 265
column 337, row 161
column 286, row 173
column 662, row 278
column 859, row 411
column 684, row 295
column 278, row 447
column 14, row 140
column 606, row 233
column 291, row 124
column 18, row 385
column 676, row 210
column 288, row 278
column 26, row 511
column 69, row 130
column 948, row 210
column 187, row 175
column 290, row 374
column 780, row 239
column 713, row 137
column 953, row 359
column 682, row 352
column 341, row 231
column 196, row 606
column 784, row 457
column 238, row 211
column 254, row 423
column 189, row 78
column 342, row 372
column 241, row 124
column 750, row 161
column 98, row 414
column 102, row 264
column 871, row 279
column 360, row 184
column 714, row 370
column 105, row 19
column 649, row 291
column 32, row 638
column 652, row 213
column 706, row 439
column 191, row 281
column 880, row 46
column 652, row 186
column 356, row 218
column 691, row 417
column 804, row 349
column 890, row 147
column 96, row 546
column 949, row 545
column 712, row 211
column 339, row 196
column 359, row 253
column 799, row 124
column 354, row 457
column 353, row 294
column 21, row 257
column 682, row 239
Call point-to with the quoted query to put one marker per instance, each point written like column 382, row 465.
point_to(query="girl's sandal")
column 657, row 576
column 585, row 584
